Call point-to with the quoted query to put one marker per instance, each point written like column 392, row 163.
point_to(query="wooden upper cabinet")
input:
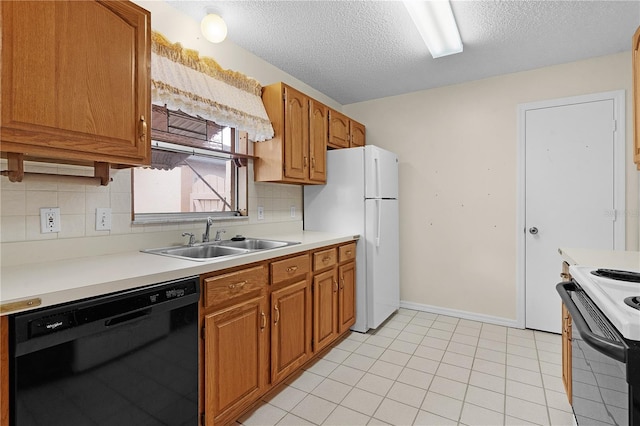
column 318, row 135
column 344, row 132
column 297, row 152
column 356, row 133
column 76, row 81
column 338, row 130
column 636, row 97
column 296, row 132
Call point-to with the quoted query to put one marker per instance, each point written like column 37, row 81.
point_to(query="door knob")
column 533, row 230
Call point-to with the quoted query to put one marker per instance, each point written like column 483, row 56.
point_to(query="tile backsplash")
column 20, row 204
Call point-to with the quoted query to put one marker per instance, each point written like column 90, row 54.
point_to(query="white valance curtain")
column 198, row 86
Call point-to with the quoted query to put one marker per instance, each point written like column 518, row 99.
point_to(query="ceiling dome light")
column 213, row 28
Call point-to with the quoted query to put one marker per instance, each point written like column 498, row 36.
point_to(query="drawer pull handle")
column 326, row 259
column 237, row 286
column 277, row 315
column 264, row 321
column 291, row 269
column 348, row 252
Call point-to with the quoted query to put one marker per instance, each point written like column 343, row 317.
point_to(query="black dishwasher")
column 127, row 358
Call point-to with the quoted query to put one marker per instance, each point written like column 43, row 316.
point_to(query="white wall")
column 457, row 151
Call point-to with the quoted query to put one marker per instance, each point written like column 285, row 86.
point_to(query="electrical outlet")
column 260, row 213
column 293, row 211
column 103, row 219
column 49, row 220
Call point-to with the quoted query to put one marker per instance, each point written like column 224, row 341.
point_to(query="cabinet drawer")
column 324, row 259
column 222, row 288
column 347, row 252
column 289, row 268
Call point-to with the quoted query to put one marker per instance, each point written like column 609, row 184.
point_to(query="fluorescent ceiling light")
column 437, row 26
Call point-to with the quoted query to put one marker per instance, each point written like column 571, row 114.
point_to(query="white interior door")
column 569, row 195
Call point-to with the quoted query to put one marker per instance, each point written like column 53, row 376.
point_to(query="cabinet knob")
column 533, row 230
column 292, row 269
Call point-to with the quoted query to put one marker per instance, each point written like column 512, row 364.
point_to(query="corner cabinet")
column 297, row 152
column 79, row 99
column 635, row 49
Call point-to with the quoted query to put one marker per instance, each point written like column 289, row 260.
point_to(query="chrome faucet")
column 218, row 232
column 205, row 236
column 192, row 238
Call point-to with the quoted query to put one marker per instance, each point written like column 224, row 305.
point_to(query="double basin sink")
column 215, row 249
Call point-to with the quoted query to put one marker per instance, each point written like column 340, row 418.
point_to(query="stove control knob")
column 533, row 230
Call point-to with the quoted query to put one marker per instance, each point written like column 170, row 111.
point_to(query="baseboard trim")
column 460, row 314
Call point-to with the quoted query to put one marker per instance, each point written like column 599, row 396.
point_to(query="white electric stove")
column 613, row 292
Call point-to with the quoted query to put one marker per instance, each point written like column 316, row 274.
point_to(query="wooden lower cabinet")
column 236, row 359
column 261, row 323
column 347, row 296
column 334, row 284
column 566, row 352
column 325, row 309
column 235, row 342
column 566, row 340
column 290, row 332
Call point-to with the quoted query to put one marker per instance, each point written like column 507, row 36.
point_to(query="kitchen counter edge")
column 610, row 259
column 52, row 283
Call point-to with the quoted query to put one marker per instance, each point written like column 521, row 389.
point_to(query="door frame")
column 619, row 194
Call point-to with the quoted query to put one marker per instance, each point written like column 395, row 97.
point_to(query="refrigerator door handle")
column 378, row 224
column 378, row 191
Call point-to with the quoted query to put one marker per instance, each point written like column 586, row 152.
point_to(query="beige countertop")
column 73, row 279
column 609, row 259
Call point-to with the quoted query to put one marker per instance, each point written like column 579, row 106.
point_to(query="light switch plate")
column 103, row 219
column 293, row 211
column 260, row 213
column 49, row 220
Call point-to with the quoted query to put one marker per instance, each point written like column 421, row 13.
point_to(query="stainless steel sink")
column 256, row 244
column 215, row 249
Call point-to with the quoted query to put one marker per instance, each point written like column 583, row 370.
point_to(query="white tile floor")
column 427, row 369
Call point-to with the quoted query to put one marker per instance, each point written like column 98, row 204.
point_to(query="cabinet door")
column 566, row 352
column 338, row 130
column 290, row 333
column 235, row 351
column 357, row 132
column 318, row 135
column 296, row 134
column 325, row 309
column 346, row 296
column 77, row 98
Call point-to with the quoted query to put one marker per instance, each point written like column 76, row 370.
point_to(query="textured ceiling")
column 354, row 51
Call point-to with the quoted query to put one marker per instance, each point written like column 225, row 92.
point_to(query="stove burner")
column 634, row 302
column 615, row 274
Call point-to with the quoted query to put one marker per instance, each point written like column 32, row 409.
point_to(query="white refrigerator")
column 361, row 197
